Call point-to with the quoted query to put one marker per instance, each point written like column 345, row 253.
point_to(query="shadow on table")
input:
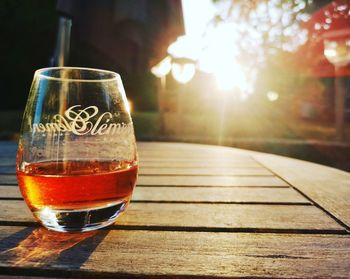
column 38, row 247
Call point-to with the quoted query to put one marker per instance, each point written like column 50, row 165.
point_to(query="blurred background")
column 266, row 75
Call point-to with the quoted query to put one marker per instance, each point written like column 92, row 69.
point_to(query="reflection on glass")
column 76, row 159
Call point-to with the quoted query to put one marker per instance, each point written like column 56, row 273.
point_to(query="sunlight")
column 183, row 73
column 337, row 52
column 272, row 96
column 234, row 50
column 214, row 47
column 220, row 59
column 230, row 76
column 162, row 68
column 196, row 23
column 185, row 47
column 129, row 106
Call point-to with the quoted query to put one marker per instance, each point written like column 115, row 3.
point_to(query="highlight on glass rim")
column 175, row 138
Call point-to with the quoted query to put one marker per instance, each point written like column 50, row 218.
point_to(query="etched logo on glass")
column 83, row 121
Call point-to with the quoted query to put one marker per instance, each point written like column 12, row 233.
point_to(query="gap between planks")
column 162, row 254
column 327, row 188
column 200, row 195
column 211, row 181
column 211, row 216
column 221, row 181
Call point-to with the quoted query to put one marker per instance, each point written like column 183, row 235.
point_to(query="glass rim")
column 41, row 74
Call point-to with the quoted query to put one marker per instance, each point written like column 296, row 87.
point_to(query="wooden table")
column 198, row 211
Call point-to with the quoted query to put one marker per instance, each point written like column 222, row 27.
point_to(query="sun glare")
column 230, row 49
column 272, row 96
column 230, row 76
column 197, row 15
column 163, row 67
column 183, row 73
column 129, row 106
column 213, row 47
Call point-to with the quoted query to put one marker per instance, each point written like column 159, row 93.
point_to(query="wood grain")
column 198, row 164
column 10, row 192
column 8, row 161
column 225, row 255
column 238, row 181
column 328, row 187
column 228, row 216
column 198, row 194
column 7, row 169
column 188, row 152
column 194, row 148
column 156, row 254
column 195, row 159
column 8, row 179
column 213, row 171
column 187, row 215
column 8, row 148
column 194, row 230
column 213, row 194
column 183, row 168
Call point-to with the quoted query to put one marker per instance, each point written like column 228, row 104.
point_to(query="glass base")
column 80, row 220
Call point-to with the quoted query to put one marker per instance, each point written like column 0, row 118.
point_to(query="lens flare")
column 183, row 73
column 162, row 68
column 272, row 96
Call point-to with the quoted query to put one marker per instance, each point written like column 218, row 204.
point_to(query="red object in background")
column 331, row 22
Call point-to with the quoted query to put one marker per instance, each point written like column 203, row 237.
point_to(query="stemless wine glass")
column 77, row 159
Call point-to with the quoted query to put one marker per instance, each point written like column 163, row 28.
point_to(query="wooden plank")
column 224, row 181
column 193, row 157
column 229, row 171
column 149, row 148
column 158, row 254
column 157, row 149
column 227, row 255
column 167, row 147
column 16, row 211
column 10, row 192
column 211, row 216
column 328, row 187
column 212, row 194
column 197, row 194
column 210, row 160
column 8, row 179
column 8, row 169
column 184, row 167
column 203, row 171
column 181, row 170
column 228, row 216
column 198, row 164
column 174, row 148
column 8, row 148
column 8, row 161
column 152, row 151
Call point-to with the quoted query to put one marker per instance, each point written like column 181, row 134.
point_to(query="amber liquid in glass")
column 103, row 188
